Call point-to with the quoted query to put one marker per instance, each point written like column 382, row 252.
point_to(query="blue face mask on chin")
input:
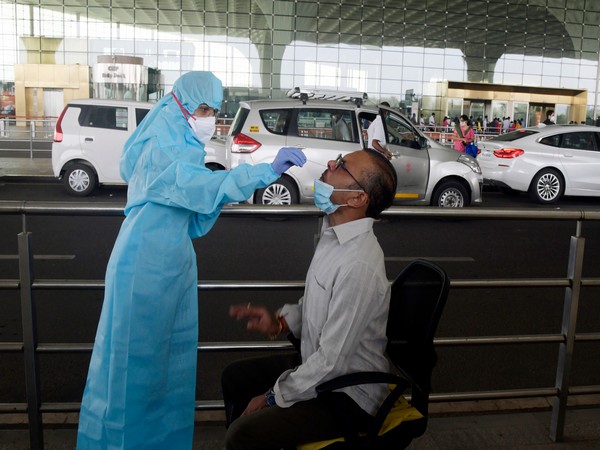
column 323, row 193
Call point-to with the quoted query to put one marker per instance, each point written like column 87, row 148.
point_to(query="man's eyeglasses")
column 340, row 163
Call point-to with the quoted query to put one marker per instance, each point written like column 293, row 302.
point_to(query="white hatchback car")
column 546, row 162
column 89, row 138
column 428, row 172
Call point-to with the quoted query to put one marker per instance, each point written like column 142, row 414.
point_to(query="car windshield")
column 513, row 135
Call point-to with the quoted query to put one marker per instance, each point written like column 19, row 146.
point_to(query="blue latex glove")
column 286, row 158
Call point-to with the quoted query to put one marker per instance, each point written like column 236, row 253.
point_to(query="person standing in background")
column 463, row 134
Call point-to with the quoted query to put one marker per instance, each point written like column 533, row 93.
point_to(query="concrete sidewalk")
column 515, row 430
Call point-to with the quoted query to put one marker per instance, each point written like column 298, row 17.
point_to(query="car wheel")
column 450, row 194
column 547, row 186
column 79, row 180
column 281, row 192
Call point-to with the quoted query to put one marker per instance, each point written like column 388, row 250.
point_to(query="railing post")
column 31, row 137
column 28, row 319
column 569, row 324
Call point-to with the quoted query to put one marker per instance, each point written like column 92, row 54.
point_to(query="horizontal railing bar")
column 203, row 285
column 67, row 284
column 587, row 337
column 492, row 395
column 233, row 346
column 9, row 284
column 7, row 408
column 64, row 348
column 584, row 390
column 55, row 407
column 499, row 340
column 59, row 347
column 292, row 285
column 209, row 405
column 206, row 405
column 212, row 405
column 250, row 285
column 116, row 209
column 521, row 282
column 11, row 346
column 284, row 345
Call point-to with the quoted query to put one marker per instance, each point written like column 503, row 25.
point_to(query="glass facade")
column 260, row 49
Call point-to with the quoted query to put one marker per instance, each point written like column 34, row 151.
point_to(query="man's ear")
column 359, row 200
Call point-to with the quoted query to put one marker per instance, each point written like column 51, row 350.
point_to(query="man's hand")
column 259, row 318
column 381, row 149
column 256, row 404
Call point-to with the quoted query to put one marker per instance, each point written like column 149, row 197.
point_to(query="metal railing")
column 572, row 283
column 30, row 133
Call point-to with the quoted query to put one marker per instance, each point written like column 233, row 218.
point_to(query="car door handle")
column 89, row 139
column 567, row 155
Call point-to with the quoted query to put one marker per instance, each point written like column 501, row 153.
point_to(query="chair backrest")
column 418, row 298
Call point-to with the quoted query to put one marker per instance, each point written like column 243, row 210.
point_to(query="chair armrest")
column 353, row 379
column 401, row 382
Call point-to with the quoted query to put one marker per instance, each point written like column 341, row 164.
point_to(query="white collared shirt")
column 342, row 316
column 376, row 132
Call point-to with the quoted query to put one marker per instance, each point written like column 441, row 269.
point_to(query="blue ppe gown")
column 140, row 389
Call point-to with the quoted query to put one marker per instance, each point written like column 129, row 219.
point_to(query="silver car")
column 546, row 162
column 428, row 172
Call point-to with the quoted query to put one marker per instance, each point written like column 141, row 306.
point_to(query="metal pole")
column 28, row 318
column 565, row 351
column 31, row 136
column 595, row 113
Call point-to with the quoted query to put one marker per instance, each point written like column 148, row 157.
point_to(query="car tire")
column 547, row 186
column 79, row 180
column 281, row 192
column 450, row 194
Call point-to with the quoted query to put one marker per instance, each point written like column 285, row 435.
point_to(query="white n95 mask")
column 203, row 127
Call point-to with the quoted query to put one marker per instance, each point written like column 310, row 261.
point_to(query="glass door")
column 520, row 113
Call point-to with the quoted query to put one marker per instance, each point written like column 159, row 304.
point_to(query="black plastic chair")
column 418, row 298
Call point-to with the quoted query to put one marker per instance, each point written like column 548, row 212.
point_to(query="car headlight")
column 471, row 162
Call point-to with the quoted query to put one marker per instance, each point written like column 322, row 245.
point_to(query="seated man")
column 340, row 321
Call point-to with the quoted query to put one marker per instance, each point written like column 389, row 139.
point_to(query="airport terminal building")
column 516, row 58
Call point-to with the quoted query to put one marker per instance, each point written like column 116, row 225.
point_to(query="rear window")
column 276, row 120
column 513, row 135
column 238, row 122
column 553, row 141
column 109, row 117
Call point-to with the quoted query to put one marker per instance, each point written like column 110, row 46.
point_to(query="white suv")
column 428, row 172
column 89, row 139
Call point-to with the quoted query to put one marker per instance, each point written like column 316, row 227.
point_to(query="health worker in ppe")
column 140, row 390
